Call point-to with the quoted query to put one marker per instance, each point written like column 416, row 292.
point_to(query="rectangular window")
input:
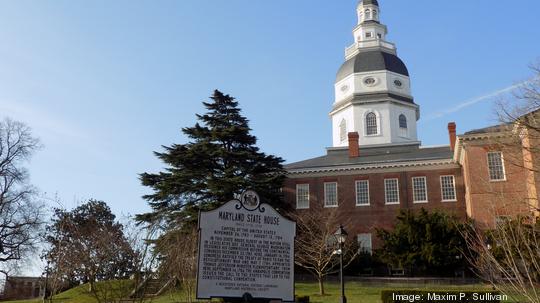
column 391, row 191
column 502, row 220
column 496, row 166
column 330, row 194
column 302, row 196
column 419, row 190
column 364, row 243
column 362, row 193
column 368, row 35
column 448, row 188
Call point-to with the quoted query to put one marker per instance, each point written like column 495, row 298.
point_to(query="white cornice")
column 350, row 101
column 374, row 167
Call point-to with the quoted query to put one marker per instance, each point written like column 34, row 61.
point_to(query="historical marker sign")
column 246, row 248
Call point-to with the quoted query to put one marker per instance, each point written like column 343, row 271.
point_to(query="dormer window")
column 371, row 124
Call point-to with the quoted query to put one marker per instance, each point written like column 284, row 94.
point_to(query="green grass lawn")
column 355, row 292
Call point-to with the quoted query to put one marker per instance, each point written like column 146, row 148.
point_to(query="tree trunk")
column 321, row 285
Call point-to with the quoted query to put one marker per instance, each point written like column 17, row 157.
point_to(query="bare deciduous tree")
column 509, row 258
column 508, row 254
column 315, row 247
column 20, row 214
column 179, row 251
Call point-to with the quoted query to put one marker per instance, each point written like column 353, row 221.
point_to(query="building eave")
column 372, row 166
column 481, row 136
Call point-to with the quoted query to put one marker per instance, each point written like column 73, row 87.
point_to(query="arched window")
column 374, row 15
column 402, row 121
column 371, row 124
column 343, row 130
column 368, row 14
column 403, row 126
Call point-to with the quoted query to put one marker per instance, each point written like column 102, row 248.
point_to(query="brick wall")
column 488, row 199
column 364, row 219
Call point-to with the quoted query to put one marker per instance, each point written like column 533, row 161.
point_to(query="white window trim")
column 337, row 201
column 378, row 119
column 502, row 164
column 386, row 196
column 308, row 200
column 442, row 193
column 426, row 190
column 356, row 192
column 400, row 129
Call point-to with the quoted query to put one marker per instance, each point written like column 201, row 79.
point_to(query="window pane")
column 302, row 196
column 330, row 194
column 448, row 188
column 496, row 166
column 368, row 14
column 343, row 131
column 402, row 121
column 364, row 243
column 371, row 124
column 391, row 191
column 419, row 189
column 362, row 192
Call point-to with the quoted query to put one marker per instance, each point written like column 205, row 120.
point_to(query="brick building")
column 20, row 288
column 377, row 166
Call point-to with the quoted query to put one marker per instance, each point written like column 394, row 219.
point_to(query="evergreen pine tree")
column 219, row 161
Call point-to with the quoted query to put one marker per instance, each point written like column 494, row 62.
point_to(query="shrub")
column 302, row 299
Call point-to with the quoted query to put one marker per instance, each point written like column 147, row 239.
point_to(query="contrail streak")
column 476, row 100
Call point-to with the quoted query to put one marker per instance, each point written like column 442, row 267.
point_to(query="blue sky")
column 105, row 83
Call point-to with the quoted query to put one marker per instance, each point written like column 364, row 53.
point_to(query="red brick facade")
column 488, row 200
column 478, row 195
column 378, row 214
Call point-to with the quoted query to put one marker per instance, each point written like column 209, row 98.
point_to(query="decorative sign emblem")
column 246, row 250
column 250, row 200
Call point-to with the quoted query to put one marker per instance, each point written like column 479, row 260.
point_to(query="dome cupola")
column 372, row 90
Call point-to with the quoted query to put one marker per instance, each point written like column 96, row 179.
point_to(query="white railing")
column 351, row 50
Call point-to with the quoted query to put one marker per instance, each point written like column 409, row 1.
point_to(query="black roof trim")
column 370, row 21
column 366, row 2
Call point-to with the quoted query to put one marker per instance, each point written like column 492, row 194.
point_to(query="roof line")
column 371, row 166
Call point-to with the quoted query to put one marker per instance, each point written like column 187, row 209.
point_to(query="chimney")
column 452, row 134
column 354, row 148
